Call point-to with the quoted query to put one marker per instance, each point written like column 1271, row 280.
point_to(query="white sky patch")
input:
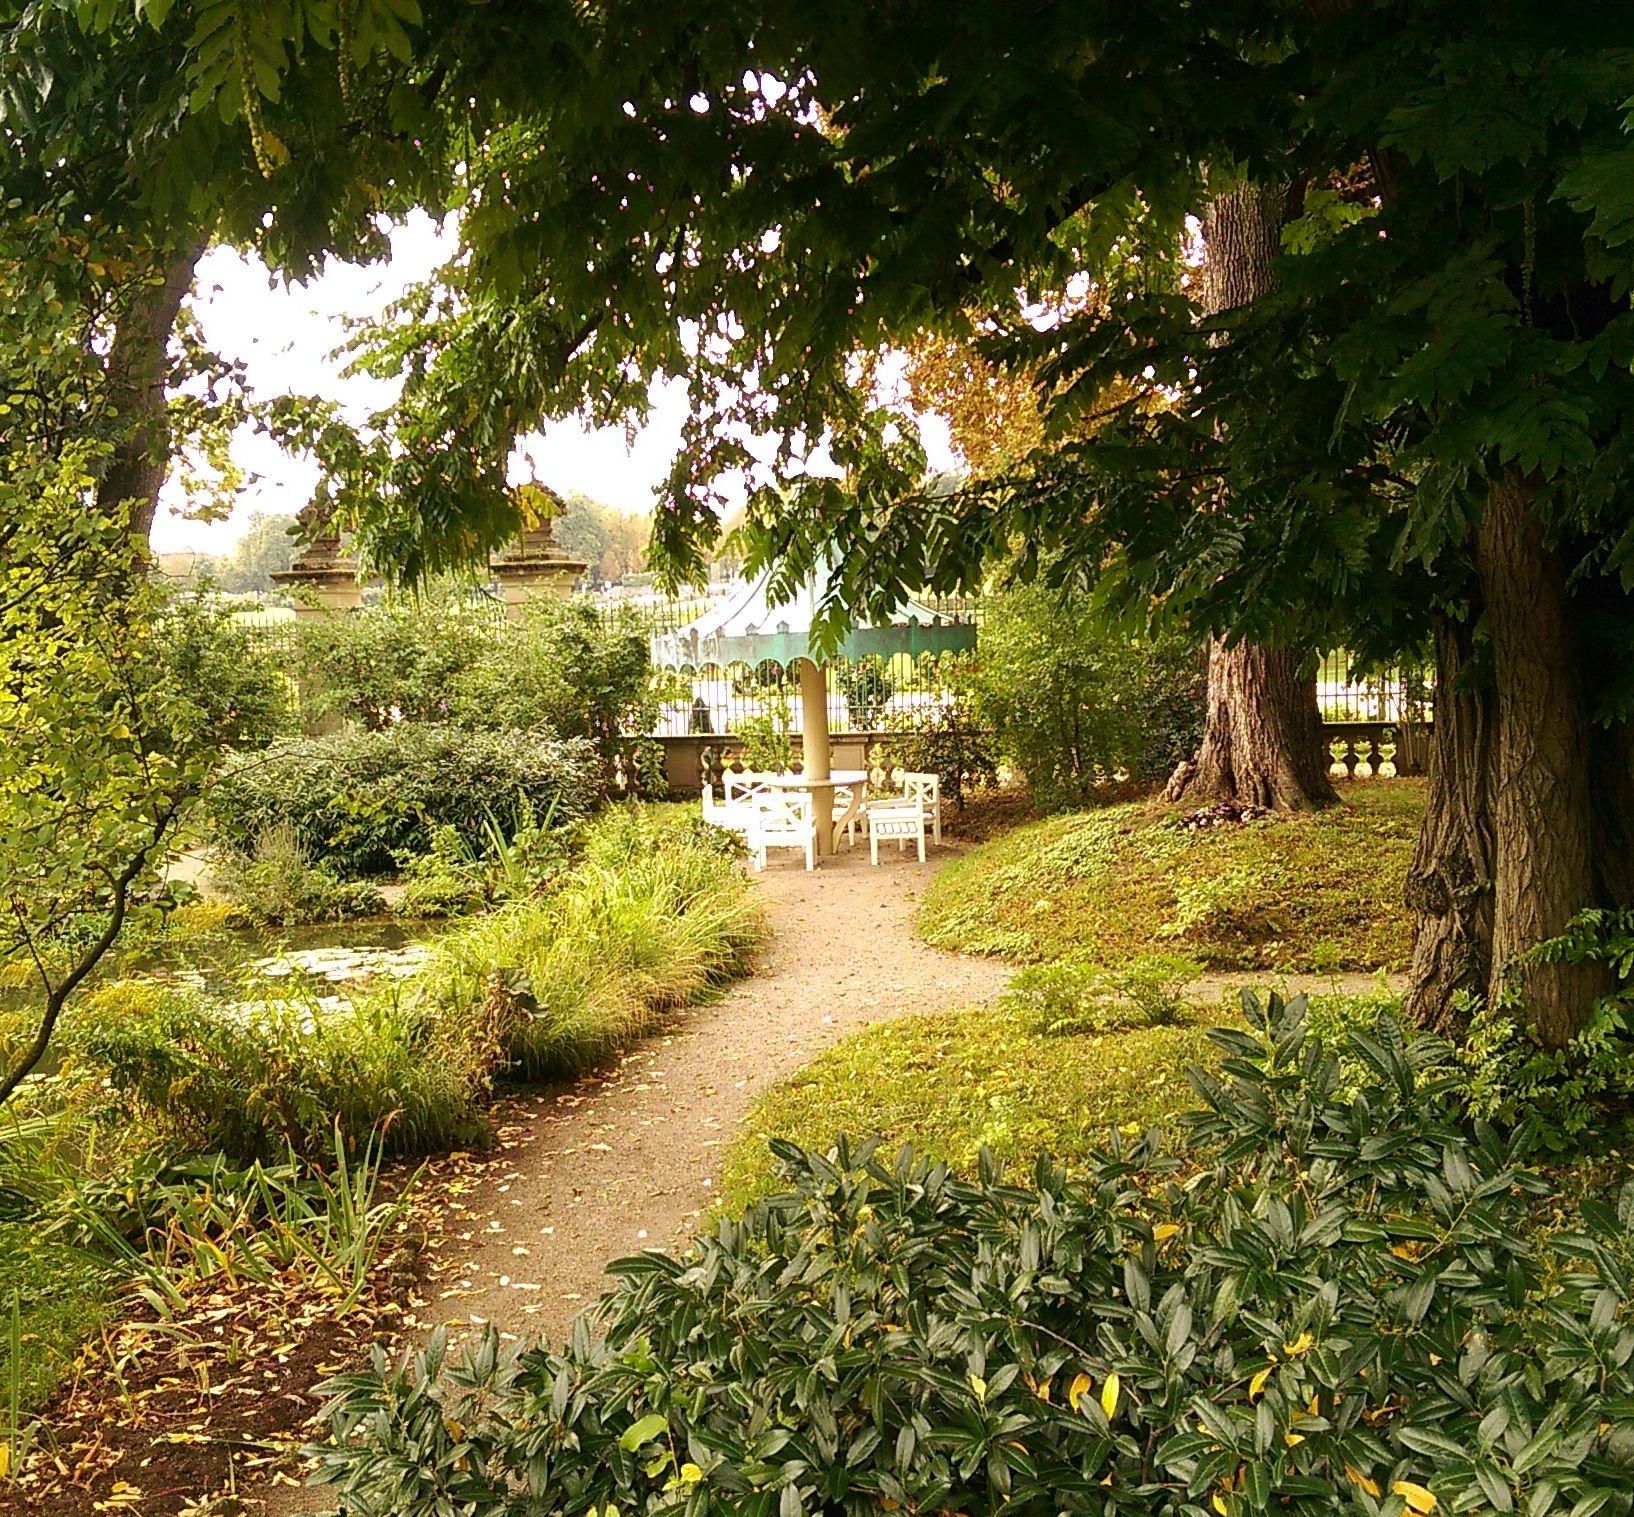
column 286, row 336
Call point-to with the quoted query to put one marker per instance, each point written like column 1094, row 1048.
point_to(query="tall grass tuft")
column 656, row 915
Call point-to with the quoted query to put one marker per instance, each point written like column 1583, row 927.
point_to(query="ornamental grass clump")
column 1349, row 1308
column 656, row 916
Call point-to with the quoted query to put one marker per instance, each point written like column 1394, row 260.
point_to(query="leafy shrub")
column 566, row 669
column 1505, row 1074
column 1074, row 700
column 867, row 685
column 255, row 1082
column 398, row 661
column 1148, row 991
column 278, row 885
column 443, row 657
column 763, row 741
column 357, row 801
column 1344, row 1312
column 947, row 738
column 240, row 693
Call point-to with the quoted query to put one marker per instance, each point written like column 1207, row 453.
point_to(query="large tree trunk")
column 1529, row 808
column 1262, row 737
column 1542, row 812
column 138, row 369
column 1449, row 886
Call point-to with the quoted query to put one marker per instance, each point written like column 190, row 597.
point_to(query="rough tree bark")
column 1542, row 806
column 1529, row 806
column 1262, row 734
column 1449, row 885
column 138, row 368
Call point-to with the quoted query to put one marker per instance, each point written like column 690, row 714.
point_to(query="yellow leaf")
column 1164, row 1231
column 1219, row 1504
column 1043, row 1392
column 1292, row 1438
column 1299, row 1345
column 1257, row 1384
column 1420, row 1498
column 1109, row 1394
column 979, row 1386
column 691, row 1474
column 5, row 1459
column 1369, row 1485
column 1080, row 1388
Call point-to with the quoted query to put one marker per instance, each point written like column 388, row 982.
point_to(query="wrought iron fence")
column 879, row 692
column 1345, row 694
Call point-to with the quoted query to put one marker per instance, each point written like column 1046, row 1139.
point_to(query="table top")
column 839, row 778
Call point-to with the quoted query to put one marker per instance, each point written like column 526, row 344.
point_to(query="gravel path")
column 625, row 1159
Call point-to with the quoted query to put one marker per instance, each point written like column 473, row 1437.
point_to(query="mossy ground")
column 1313, row 892
column 954, row 1083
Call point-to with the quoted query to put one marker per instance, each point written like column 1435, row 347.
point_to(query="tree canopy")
column 1416, row 428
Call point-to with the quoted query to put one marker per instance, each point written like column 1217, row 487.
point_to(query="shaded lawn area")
column 953, row 1083
column 1315, row 892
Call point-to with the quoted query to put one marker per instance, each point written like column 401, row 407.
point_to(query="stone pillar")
column 815, row 748
column 534, row 569
column 322, row 581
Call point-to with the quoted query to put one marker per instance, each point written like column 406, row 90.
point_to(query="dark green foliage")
column 1347, row 1311
column 244, row 699
column 359, row 800
column 948, row 738
column 1074, row 700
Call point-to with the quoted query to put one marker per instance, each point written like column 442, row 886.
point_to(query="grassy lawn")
column 1315, row 892
column 62, row 1303
column 953, row 1083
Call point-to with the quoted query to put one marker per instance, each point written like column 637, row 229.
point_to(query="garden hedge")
column 360, row 800
column 1349, row 1310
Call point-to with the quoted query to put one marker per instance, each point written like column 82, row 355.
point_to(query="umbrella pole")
column 815, row 750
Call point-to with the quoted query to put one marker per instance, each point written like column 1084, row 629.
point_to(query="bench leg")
column 921, row 845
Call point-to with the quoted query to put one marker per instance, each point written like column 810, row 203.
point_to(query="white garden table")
column 822, row 801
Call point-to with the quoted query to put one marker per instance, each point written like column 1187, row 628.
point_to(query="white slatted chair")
column 734, row 816
column 783, row 820
column 899, row 818
column 926, row 789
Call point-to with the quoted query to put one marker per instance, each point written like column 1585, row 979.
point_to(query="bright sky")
column 285, row 335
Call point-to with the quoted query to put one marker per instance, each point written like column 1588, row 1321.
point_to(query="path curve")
column 626, row 1159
